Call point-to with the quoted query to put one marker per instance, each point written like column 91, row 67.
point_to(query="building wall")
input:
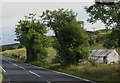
column 100, row 60
column 112, row 57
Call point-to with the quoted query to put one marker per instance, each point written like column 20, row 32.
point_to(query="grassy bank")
column 16, row 53
column 1, row 75
column 102, row 73
column 21, row 53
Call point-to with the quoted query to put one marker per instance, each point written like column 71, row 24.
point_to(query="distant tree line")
column 11, row 46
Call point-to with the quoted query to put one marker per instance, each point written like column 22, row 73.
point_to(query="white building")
column 105, row 56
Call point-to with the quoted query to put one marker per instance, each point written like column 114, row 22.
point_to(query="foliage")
column 109, row 15
column 93, row 62
column 31, row 33
column 70, row 35
column 51, row 51
column 113, row 40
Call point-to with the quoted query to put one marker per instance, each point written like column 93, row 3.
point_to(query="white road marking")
column 2, row 69
column 73, row 76
column 35, row 74
column 55, row 72
column 38, row 76
column 22, row 67
column 48, row 81
column 64, row 74
column 19, row 66
column 5, row 59
column 15, row 64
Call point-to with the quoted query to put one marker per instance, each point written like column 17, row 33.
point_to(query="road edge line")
column 2, row 69
column 64, row 74
column 60, row 73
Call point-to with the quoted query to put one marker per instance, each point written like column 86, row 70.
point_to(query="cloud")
column 12, row 12
column 47, row 0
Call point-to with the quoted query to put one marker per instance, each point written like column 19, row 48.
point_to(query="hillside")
column 10, row 46
column 100, row 32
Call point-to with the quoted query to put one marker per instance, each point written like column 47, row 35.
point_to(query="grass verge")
column 1, row 75
column 108, row 73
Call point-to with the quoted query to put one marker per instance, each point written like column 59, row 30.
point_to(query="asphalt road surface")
column 18, row 72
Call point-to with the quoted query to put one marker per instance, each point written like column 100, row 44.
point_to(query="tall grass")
column 1, row 75
column 16, row 53
column 51, row 51
column 107, row 73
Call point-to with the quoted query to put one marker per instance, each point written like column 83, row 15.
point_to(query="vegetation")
column 113, row 40
column 11, row 46
column 51, row 51
column 1, row 75
column 109, row 15
column 71, row 41
column 102, row 73
column 31, row 33
column 71, row 38
column 20, row 53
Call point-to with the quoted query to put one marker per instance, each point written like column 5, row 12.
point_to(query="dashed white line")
column 22, row 67
column 38, row 76
column 15, row 64
column 50, row 70
column 25, row 69
column 19, row 66
column 34, row 74
column 64, row 74
column 48, row 81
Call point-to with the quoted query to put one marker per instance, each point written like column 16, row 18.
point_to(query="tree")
column 70, row 34
column 109, row 15
column 31, row 33
column 113, row 40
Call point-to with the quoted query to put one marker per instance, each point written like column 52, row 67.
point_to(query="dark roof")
column 101, row 53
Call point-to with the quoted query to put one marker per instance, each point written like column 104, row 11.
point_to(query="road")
column 18, row 72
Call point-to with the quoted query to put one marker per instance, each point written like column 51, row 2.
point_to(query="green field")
column 16, row 53
column 21, row 53
column 97, row 46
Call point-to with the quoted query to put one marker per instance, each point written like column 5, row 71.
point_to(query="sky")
column 12, row 12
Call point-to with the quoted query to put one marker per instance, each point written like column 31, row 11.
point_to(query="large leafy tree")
column 109, row 15
column 70, row 34
column 31, row 33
